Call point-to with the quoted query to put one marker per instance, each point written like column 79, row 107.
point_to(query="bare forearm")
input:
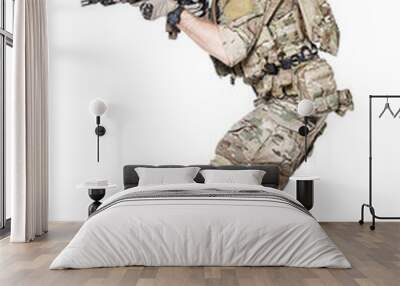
column 205, row 34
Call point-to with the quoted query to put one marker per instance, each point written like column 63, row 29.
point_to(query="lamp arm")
column 98, row 139
column 305, row 138
column 98, row 148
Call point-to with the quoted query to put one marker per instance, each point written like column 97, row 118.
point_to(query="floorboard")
column 375, row 257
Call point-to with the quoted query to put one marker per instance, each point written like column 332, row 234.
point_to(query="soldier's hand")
column 154, row 9
column 198, row 8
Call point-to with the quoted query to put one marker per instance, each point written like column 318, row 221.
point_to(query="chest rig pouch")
column 320, row 24
column 252, row 68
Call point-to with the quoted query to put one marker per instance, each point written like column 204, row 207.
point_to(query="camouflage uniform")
column 269, row 133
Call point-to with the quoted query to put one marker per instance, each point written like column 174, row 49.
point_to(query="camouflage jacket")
column 240, row 21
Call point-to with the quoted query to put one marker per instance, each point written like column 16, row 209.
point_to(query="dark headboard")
column 271, row 178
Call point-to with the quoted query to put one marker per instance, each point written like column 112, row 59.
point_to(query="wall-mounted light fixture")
column 97, row 107
column 305, row 109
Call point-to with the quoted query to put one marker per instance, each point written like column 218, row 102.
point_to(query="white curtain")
column 27, row 122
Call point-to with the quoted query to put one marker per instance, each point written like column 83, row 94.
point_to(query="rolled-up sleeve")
column 238, row 35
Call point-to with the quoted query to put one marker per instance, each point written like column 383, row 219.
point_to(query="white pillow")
column 246, row 177
column 166, row 176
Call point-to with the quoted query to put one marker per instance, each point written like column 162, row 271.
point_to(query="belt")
column 286, row 63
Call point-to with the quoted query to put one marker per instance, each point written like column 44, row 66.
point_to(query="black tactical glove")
column 197, row 8
column 154, row 9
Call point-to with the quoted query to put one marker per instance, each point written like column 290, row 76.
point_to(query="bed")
column 198, row 224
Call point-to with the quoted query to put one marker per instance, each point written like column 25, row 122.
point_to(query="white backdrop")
column 167, row 106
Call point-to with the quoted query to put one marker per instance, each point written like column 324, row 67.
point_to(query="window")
column 6, row 44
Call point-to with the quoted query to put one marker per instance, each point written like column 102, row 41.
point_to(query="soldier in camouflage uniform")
column 271, row 44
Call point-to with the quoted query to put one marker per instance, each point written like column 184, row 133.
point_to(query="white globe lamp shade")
column 305, row 108
column 97, row 107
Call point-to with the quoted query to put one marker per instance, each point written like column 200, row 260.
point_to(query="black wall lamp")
column 305, row 109
column 97, row 107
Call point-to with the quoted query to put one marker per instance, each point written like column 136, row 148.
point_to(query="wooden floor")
column 375, row 257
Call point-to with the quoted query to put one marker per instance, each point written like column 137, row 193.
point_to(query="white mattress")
column 195, row 231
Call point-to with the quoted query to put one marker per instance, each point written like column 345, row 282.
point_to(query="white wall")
column 166, row 105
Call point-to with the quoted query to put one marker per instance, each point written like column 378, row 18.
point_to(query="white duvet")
column 202, row 232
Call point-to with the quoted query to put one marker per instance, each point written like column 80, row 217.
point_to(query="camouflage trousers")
column 269, row 135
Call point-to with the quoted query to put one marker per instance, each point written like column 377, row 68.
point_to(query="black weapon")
column 171, row 30
column 107, row 2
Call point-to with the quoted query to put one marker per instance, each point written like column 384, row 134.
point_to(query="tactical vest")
column 294, row 24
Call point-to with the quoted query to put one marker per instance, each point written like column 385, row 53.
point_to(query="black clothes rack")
column 370, row 204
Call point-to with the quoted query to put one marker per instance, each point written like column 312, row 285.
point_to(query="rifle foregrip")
column 172, row 31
